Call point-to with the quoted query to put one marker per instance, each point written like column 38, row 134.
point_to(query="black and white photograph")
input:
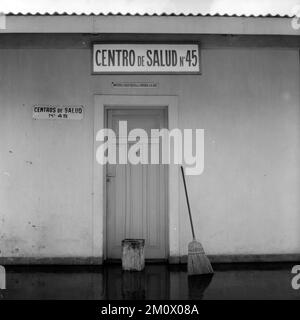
column 149, row 153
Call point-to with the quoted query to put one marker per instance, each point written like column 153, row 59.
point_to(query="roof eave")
column 178, row 24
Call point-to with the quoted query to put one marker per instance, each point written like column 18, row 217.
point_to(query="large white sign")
column 57, row 112
column 146, row 58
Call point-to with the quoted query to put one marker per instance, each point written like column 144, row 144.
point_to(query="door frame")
column 101, row 103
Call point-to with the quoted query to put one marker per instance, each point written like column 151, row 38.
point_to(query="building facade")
column 58, row 205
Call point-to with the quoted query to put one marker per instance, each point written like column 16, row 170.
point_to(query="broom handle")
column 188, row 202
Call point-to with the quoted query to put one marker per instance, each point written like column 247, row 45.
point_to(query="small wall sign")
column 134, row 84
column 146, row 58
column 57, row 112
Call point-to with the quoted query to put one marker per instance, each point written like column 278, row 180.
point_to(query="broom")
column 198, row 262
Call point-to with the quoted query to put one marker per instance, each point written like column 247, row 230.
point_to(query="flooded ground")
column 157, row 281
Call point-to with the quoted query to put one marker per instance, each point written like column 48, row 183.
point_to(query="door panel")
column 136, row 194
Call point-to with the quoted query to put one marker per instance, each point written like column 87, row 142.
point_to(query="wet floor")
column 267, row 281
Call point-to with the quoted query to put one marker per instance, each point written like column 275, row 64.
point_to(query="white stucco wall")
column 245, row 202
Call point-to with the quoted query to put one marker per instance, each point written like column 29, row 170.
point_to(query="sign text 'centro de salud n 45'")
column 146, row 58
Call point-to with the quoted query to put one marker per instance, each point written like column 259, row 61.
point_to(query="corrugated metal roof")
column 250, row 15
column 196, row 8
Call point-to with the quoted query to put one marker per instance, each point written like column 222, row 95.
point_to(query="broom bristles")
column 198, row 263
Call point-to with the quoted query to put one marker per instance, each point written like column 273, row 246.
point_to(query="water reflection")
column 133, row 285
column 155, row 282
column 197, row 286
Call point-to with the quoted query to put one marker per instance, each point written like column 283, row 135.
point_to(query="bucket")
column 133, row 254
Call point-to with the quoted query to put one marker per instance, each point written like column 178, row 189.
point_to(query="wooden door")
column 136, row 193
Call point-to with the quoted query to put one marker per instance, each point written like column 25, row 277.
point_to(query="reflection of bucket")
column 133, row 257
column 133, row 285
column 2, row 278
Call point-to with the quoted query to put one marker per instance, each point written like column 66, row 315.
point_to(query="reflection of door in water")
column 136, row 194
